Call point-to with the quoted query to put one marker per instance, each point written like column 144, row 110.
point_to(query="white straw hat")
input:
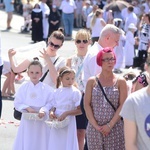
column 132, row 26
column 88, row 2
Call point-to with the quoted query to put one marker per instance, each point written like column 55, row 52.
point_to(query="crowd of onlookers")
column 78, row 14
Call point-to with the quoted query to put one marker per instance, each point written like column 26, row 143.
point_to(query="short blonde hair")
column 83, row 34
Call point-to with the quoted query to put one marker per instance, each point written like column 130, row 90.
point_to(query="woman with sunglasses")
column 49, row 55
column 105, row 127
column 82, row 41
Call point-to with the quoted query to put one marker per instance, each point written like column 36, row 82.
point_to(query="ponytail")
column 96, row 15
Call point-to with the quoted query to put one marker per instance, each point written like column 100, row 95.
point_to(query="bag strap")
column 45, row 74
column 79, row 70
column 105, row 94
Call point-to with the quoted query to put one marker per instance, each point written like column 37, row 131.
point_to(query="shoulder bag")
column 45, row 74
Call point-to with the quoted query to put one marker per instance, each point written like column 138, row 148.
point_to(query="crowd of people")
column 87, row 89
column 47, row 16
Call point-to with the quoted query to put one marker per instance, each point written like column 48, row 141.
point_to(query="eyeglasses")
column 112, row 59
column 53, row 45
column 79, row 41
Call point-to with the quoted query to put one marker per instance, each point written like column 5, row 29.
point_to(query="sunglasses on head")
column 53, row 45
column 79, row 41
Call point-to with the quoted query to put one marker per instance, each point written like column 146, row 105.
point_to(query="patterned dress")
column 103, row 113
column 77, row 65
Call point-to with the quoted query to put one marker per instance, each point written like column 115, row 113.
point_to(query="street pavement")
column 15, row 39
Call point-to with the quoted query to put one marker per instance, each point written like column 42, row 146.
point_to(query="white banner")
column 29, row 52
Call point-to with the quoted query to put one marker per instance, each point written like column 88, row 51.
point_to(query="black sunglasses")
column 53, row 45
column 79, row 41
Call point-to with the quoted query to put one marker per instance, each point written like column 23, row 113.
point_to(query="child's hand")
column 41, row 114
column 52, row 115
column 30, row 110
column 62, row 117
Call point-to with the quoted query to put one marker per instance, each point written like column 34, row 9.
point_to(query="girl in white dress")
column 33, row 97
column 129, row 45
column 66, row 102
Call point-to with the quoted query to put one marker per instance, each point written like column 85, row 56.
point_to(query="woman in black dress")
column 54, row 19
column 37, row 27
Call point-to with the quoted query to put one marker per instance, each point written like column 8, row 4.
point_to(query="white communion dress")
column 32, row 134
column 65, row 99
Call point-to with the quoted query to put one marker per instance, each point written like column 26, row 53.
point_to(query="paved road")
column 14, row 39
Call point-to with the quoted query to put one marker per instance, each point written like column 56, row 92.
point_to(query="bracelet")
column 108, row 125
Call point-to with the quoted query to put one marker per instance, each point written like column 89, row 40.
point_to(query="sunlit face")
column 53, row 45
column 68, row 79
column 82, row 44
column 146, row 19
column 35, row 73
column 113, row 40
column 108, row 61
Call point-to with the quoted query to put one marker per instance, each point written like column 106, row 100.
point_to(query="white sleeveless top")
column 96, row 29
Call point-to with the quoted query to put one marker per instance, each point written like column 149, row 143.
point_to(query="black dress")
column 54, row 16
column 37, row 27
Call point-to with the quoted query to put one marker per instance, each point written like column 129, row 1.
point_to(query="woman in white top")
column 97, row 24
column 55, row 41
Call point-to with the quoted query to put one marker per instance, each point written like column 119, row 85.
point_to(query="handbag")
column 106, row 96
column 17, row 114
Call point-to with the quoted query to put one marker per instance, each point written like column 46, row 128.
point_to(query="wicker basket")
column 31, row 116
column 57, row 124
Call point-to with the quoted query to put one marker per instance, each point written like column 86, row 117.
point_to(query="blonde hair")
column 96, row 15
column 83, row 34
